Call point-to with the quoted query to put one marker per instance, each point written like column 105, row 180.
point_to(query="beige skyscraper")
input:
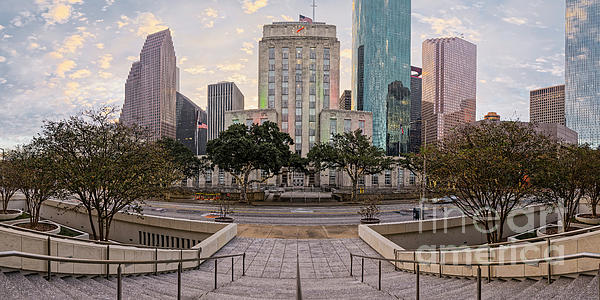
column 547, row 105
column 298, row 76
column 150, row 90
column 449, row 86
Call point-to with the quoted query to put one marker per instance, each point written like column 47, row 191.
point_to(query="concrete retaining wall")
column 588, row 242
column 210, row 236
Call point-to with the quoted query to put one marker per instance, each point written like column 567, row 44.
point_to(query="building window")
column 284, row 126
column 412, row 179
column 400, row 177
column 361, row 126
column 361, row 180
column 332, row 126
column 375, row 179
column 332, row 177
column 208, row 177
column 347, row 125
column 249, row 123
column 388, row 177
column 299, row 53
column 263, row 120
column 221, row 177
column 271, row 53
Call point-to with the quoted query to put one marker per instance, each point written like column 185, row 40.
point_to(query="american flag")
column 305, row 19
column 202, row 125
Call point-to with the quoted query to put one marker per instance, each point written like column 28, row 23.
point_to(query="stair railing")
column 417, row 263
column 120, row 263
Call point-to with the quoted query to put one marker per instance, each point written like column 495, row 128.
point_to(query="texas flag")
column 305, row 19
column 202, row 125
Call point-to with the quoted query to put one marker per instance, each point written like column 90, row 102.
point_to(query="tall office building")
column 547, row 105
column 415, row 109
column 582, row 93
column 150, row 90
column 449, row 86
column 380, row 57
column 346, row 100
column 191, row 125
column 298, row 76
column 222, row 97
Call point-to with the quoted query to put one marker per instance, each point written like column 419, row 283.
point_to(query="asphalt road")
column 282, row 215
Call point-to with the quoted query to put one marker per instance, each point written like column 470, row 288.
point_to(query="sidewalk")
column 297, row 232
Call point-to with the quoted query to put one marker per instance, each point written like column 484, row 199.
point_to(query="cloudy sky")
column 58, row 57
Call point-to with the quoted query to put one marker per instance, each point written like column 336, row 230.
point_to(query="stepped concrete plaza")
column 270, row 274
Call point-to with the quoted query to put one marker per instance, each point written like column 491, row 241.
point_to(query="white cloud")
column 448, row 26
column 65, row 66
column 100, row 46
column 124, row 21
column 58, row 11
column 132, row 58
column 2, row 59
column 239, row 30
column 230, row 67
column 83, row 73
column 22, row 19
column 2, row 80
column 198, row 70
column 247, row 47
column 251, row 7
column 1, row 27
column 74, row 42
column 182, row 60
column 211, row 13
column 287, row 18
column 148, row 23
column 104, row 61
column 105, row 75
column 72, row 89
column 515, row 20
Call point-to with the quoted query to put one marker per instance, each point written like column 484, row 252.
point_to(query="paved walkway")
column 297, row 232
column 276, row 258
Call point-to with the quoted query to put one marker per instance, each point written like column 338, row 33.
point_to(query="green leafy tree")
column 38, row 178
column 563, row 180
column 240, row 151
column 107, row 166
column 593, row 179
column 9, row 181
column 487, row 167
column 186, row 164
column 353, row 153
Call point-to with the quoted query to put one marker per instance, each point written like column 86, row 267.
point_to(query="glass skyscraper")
column 380, row 62
column 582, row 66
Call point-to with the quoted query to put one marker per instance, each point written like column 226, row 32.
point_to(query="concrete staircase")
column 198, row 284
column 401, row 285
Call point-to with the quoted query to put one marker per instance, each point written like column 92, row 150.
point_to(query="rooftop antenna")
column 313, row 7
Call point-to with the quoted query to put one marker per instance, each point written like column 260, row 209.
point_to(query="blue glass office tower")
column 380, row 66
column 582, row 66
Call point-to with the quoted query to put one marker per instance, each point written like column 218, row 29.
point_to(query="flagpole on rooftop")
column 313, row 7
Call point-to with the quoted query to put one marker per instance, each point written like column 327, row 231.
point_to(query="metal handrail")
column 483, row 246
column 104, row 243
column 179, row 261
column 417, row 263
column 490, row 263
